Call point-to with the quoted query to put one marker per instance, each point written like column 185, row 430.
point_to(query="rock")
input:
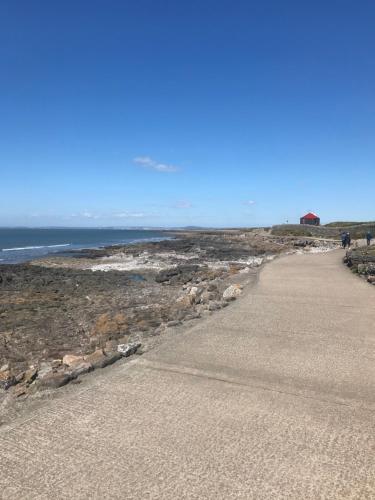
column 19, row 377
column 193, row 315
column 6, row 379
column 214, row 306
column 20, row 390
column 185, row 301
column 54, row 380
column 232, row 292
column 4, row 368
column 173, row 323
column 164, row 276
column 30, row 375
column 195, row 291
column 361, row 268
column 207, row 296
column 71, row 359
column 99, row 359
column 179, row 274
column 44, row 368
column 371, row 279
column 128, row 349
column 212, row 287
column 79, row 368
column 56, row 363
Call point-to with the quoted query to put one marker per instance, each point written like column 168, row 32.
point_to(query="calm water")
column 22, row 244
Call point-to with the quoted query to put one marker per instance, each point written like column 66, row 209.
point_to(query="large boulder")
column 72, row 359
column 54, row 380
column 232, row 292
column 99, row 359
column 126, row 350
column 80, row 368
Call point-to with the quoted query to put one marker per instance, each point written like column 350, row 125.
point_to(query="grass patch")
column 348, row 224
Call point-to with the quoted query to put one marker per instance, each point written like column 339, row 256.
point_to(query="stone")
column 232, row 292
column 4, row 368
column 207, row 296
column 195, row 291
column 185, row 300
column 99, row 359
column 20, row 390
column 212, row 287
column 173, row 323
column 361, row 268
column 371, row 279
column 80, row 368
column 128, row 349
column 30, row 375
column 6, row 379
column 54, row 380
column 44, row 368
column 71, row 359
column 56, row 363
column 19, row 377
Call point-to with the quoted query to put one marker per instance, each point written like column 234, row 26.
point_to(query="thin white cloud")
column 130, row 215
column 147, row 162
column 86, row 215
column 182, row 204
column 249, row 202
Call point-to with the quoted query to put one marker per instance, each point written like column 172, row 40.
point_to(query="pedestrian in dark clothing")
column 343, row 240
column 348, row 239
column 368, row 238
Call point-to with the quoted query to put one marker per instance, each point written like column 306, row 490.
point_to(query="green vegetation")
column 347, row 224
column 333, row 230
column 289, row 230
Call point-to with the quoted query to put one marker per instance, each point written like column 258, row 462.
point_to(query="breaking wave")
column 35, row 247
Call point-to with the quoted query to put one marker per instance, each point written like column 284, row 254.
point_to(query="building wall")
column 310, row 222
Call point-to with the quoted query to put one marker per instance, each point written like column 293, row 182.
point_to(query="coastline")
column 74, row 306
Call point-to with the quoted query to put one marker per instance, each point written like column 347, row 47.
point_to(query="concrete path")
column 271, row 398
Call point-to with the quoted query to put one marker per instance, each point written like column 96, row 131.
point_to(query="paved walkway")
column 271, row 398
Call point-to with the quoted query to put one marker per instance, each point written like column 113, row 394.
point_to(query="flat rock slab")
column 271, row 398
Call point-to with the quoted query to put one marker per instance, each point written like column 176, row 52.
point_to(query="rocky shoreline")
column 361, row 260
column 63, row 316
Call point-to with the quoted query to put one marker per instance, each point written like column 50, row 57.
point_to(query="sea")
column 24, row 244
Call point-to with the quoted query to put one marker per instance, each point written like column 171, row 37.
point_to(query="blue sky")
column 165, row 113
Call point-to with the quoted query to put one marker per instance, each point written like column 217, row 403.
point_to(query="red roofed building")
column 311, row 219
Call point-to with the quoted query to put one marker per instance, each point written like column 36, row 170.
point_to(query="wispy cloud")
column 124, row 214
column 147, row 162
column 182, row 204
column 131, row 215
column 86, row 215
column 249, row 202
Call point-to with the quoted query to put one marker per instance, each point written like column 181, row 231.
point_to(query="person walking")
column 348, row 239
column 343, row 239
column 368, row 238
